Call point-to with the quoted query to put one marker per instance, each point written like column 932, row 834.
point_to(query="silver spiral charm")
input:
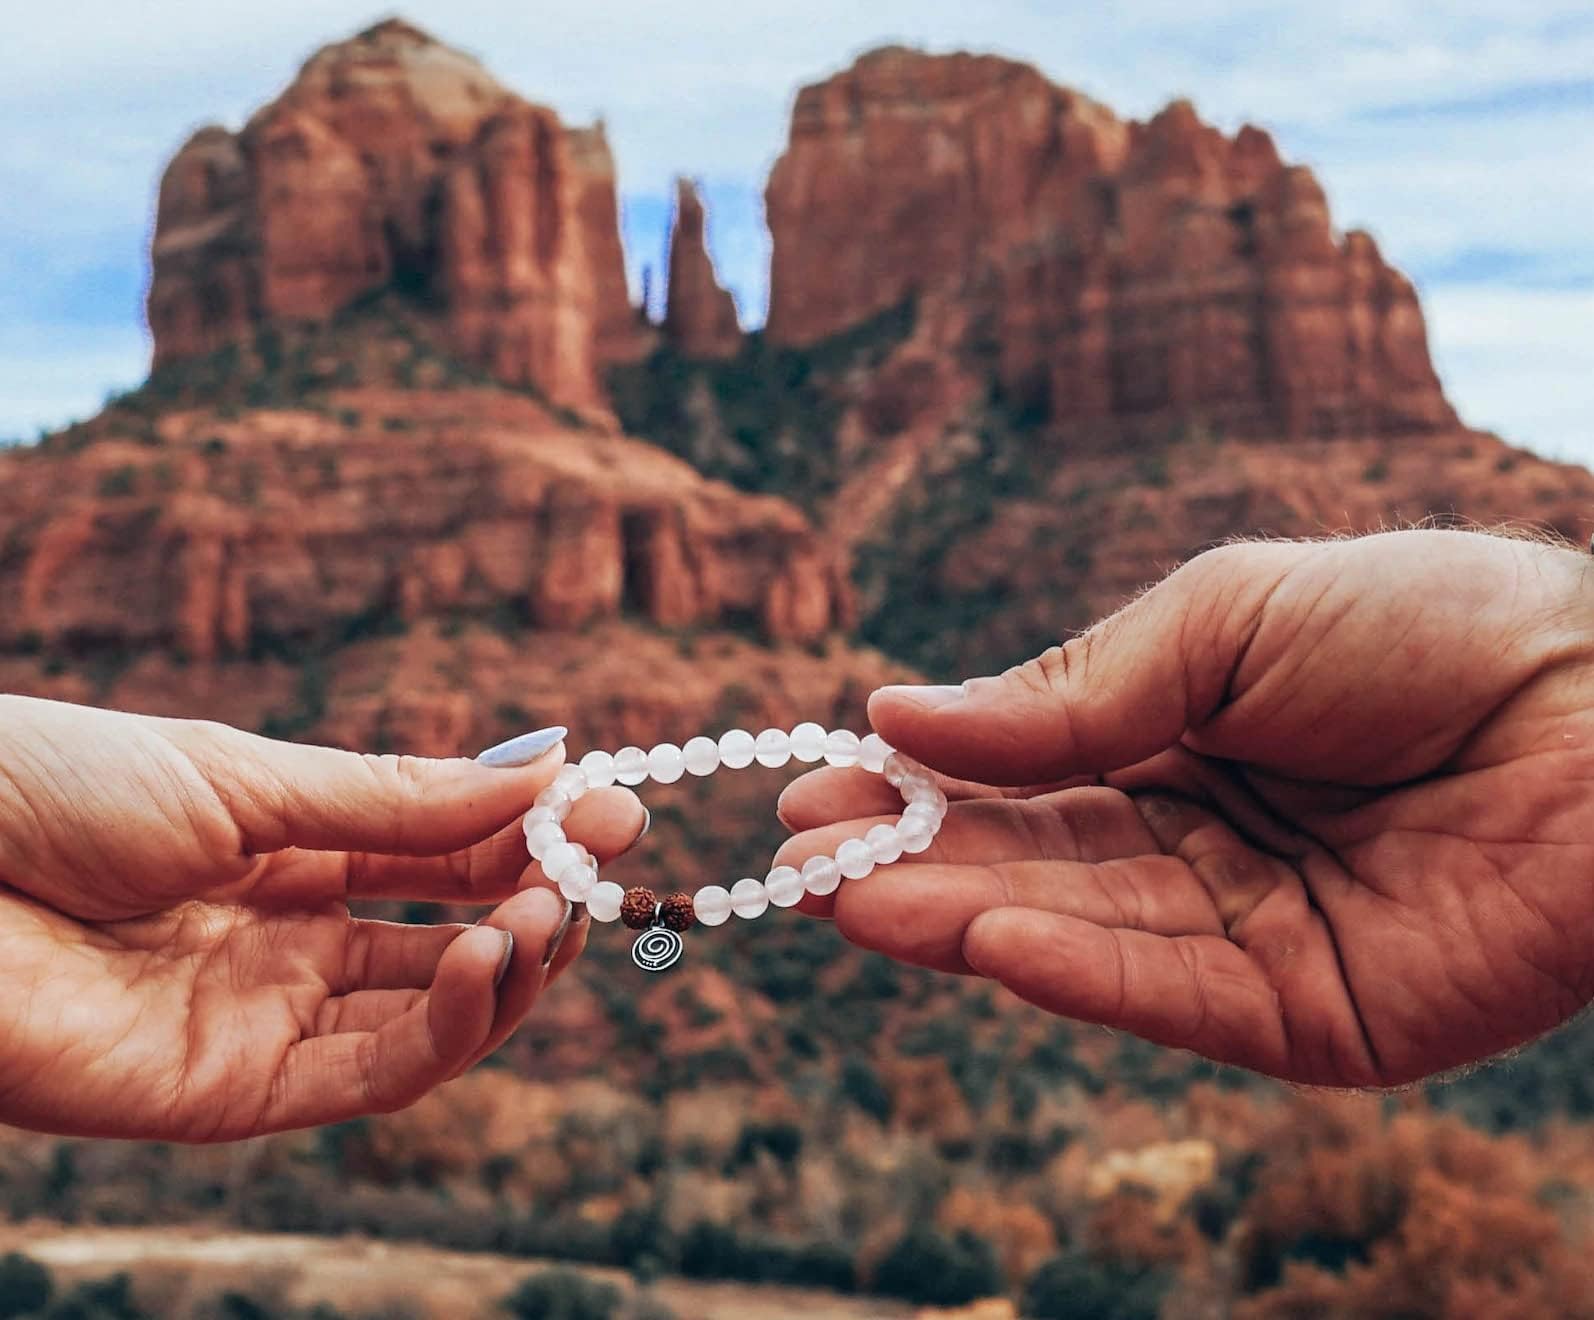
column 657, row 949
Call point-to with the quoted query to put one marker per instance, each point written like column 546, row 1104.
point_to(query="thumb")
column 282, row 794
column 1113, row 696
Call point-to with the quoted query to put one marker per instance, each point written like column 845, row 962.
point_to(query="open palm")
column 177, row 954
column 1339, row 824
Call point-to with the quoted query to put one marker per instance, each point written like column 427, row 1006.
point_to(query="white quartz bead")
column 896, row 769
column 915, row 834
column 599, row 766
column 666, row 763
column 737, row 748
column 842, row 747
column 571, row 781
column 538, row 816
column 821, row 875
column 553, row 801
column 883, row 844
column 578, row 882
column 855, row 859
column 872, row 753
column 922, row 811
column 784, row 886
column 556, row 859
column 712, row 904
column 542, row 837
column 749, row 899
column 630, row 766
column 808, row 742
column 603, row 903
column 702, row 756
column 774, row 748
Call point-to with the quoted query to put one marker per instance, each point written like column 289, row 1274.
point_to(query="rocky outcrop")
column 700, row 316
column 225, row 535
column 393, row 160
column 1115, row 277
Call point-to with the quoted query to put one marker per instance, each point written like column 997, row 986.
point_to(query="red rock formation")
column 1116, row 275
column 392, row 159
column 290, row 525
column 700, row 316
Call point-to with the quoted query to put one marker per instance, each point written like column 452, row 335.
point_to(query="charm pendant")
column 657, row 949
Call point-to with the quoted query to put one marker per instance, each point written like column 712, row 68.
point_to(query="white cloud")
column 1519, row 362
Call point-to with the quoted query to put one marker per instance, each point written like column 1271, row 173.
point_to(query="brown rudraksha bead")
column 676, row 913
column 638, row 908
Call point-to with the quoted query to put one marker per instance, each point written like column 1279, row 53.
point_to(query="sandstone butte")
column 1106, row 270
column 395, row 160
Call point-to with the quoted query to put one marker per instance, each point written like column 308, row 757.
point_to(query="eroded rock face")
column 1113, row 275
column 394, row 160
column 291, row 525
column 700, row 315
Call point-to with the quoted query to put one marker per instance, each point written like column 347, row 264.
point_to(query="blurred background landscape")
column 448, row 434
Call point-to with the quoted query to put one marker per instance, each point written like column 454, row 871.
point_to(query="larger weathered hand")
column 1344, row 830
column 177, row 956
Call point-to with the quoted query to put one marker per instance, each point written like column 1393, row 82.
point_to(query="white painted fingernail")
column 523, row 750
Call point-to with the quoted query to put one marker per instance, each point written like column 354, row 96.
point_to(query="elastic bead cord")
column 574, row 870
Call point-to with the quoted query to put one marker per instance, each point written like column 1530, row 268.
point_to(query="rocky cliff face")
column 700, row 316
column 393, row 160
column 1112, row 277
column 212, row 536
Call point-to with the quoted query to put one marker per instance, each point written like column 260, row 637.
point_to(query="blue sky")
column 1460, row 134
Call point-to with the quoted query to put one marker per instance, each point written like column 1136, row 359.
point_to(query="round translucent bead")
column 571, row 781
column 749, row 899
column 872, row 752
column 821, row 875
column 542, row 837
column 599, row 766
column 538, row 816
column 666, row 763
column 712, row 904
column 702, row 756
column 553, row 801
column 737, row 749
column 784, row 886
column 883, row 844
column 603, row 903
column 915, row 834
column 556, row 858
column 808, row 742
column 773, row 748
column 855, row 859
column 924, row 811
column 578, row 882
column 896, row 769
column 630, row 766
column 842, row 747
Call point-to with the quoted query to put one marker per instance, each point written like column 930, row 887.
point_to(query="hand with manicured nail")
column 177, row 956
column 1326, row 810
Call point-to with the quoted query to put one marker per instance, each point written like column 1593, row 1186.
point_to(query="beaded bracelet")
column 662, row 921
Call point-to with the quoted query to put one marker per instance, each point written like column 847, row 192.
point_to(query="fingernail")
column 505, row 958
column 524, row 749
column 558, row 937
column 926, row 695
column 647, row 824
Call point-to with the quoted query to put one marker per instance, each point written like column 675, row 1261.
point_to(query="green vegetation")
column 766, row 419
column 1073, row 1286
column 934, row 1269
column 563, row 1295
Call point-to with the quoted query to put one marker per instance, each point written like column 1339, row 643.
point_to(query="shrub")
column 932, row 1269
column 25, row 1285
column 560, row 1294
column 1073, row 1286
